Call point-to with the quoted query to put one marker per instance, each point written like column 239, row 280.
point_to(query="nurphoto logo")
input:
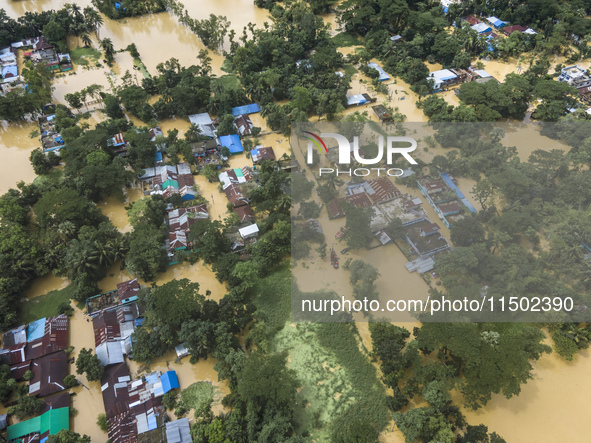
column 347, row 151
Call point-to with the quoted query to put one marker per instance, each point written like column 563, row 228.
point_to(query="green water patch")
column 343, row 39
column 199, row 395
column 228, row 81
column 326, row 393
column 84, row 56
column 350, row 70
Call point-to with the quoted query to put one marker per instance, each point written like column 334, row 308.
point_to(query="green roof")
column 169, row 182
column 53, row 421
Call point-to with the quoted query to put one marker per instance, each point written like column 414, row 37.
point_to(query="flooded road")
column 88, row 400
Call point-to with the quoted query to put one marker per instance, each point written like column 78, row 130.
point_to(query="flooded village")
column 42, row 351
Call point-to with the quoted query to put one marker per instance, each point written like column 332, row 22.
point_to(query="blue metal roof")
column 246, row 109
column 232, row 142
column 36, row 330
column 158, row 156
column 169, row 381
column 10, row 69
column 459, row 193
column 152, row 423
column 383, row 76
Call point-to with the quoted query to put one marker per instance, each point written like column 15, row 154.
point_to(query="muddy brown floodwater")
column 16, row 146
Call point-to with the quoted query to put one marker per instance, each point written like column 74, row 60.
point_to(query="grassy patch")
column 198, row 395
column 137, row 62
column 54, row 177
column 273, row 300
column 45, row 305
column 369, row 406
column 350, row 70
column 85, row 56
column 345, row 39
column 326, row 391
column 339, row 385
column 228, row 81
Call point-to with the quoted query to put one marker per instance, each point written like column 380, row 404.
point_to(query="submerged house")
column 383, row 76
column 49, row 373
column 204, row 123
column 37, row 429
column 235, row 176
column 253, row 108
column 134, row 407
column 243, row 125
column 359, row 99
column 232, row 142
column 260, row 153
column 442, row 78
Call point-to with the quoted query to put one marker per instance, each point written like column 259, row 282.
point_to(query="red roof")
column 515, row 28
column 430, row 228
column 335, row 209
column 128, row 289
column 383, row 190
column 12, row 355
column 48, row 374
column 472, row 20
column 433, row 185
column 451, row 207
column 264, row 154
column 55, row 338
column 106, row 327
column 245, row 213
column 234, row 195
column 114, row 389
column 186, row 180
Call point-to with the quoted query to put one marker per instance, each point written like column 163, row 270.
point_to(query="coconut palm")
column 284, row 203
column 333, row 183
column 67, row 230
column 86, row 41
column 108, row 48
column 93, row 20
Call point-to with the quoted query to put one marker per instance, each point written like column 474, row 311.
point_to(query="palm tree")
column 86, row 41
column 67, row 229
column 333, row 183
column 93, row 20
column 108, row 48
column 284, row 203
column 119, row 249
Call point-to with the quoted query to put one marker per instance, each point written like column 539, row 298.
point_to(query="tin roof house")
column 253, row 108
column 383, row 76
column 232, row 142
column 178, row 431
column 204, row 123
column 260, row 153
column 48, row 374
column 243, row 125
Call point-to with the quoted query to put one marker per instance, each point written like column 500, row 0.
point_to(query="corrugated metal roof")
column 383, row 75
column 52, row 421
column 249, row 231
column 232, row 142
column 246, row 109
column 357, row 99
column 169, row 379
column 178, row 431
